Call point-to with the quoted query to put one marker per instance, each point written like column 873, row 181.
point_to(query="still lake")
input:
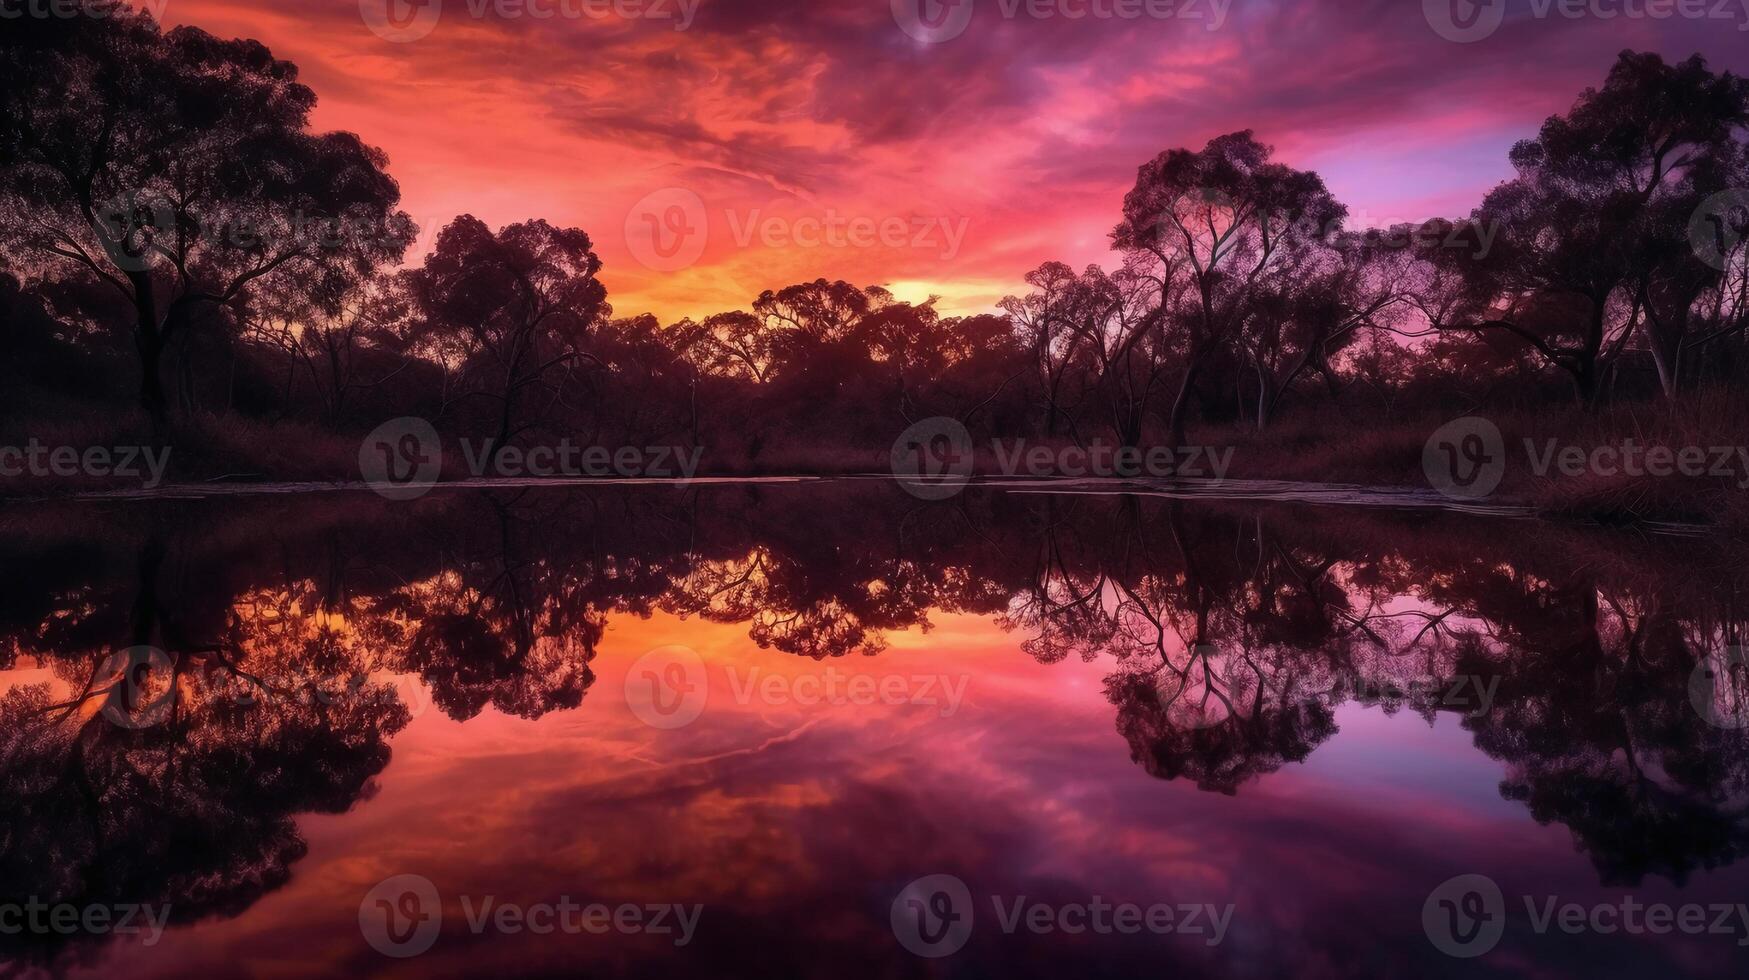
column 827, row 729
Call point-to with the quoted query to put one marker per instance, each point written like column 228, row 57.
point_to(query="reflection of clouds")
column 788, row 835
column 792, row 821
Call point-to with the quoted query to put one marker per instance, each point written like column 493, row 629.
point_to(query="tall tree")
column 510, row 308
column 1230, row 219
column 1594, row 233
column 179, row 170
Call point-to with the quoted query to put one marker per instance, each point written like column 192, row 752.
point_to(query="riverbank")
column 1616, row 467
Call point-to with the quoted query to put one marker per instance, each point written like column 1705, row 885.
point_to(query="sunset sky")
column 967, row 162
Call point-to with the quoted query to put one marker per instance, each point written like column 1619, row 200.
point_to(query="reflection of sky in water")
column 795, row 826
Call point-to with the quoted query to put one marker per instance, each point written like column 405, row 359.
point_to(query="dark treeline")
column 182, row 245
column 1231, row 638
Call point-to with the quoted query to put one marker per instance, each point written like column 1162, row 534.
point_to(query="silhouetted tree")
column 509, row 309
column 139, row 158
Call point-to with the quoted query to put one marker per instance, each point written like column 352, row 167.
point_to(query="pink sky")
column 949, row 168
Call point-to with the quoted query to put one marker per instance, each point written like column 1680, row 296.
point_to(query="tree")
column 179, row 170
column 1594, row 236
column 510, row 308
column 1112, row 325
column 345, row 348
column 738, row 345
column 1231, row 220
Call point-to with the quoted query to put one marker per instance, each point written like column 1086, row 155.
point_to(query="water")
column 747, row 719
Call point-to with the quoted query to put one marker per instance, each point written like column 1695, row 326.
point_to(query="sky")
column 714, row 149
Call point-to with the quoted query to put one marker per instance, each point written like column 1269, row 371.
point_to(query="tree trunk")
column 149, row 340
column 151, row 348
column 1181, row 404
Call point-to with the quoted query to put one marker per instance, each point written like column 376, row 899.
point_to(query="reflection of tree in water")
column 1235, row 647
column 1216, row 676
column 278, row 657
column 1233, row 638
column 193, row 812
column 1595, row 721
